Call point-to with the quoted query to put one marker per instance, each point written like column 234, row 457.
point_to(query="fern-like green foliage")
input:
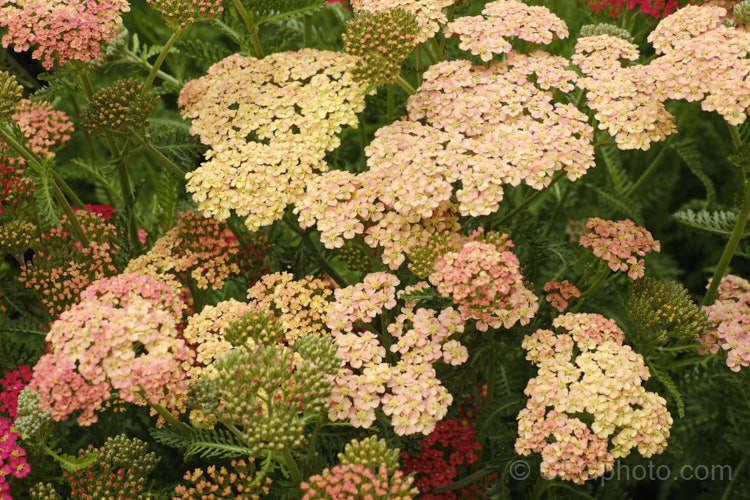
column 58, row 84
column 691, row 155
column 663, row 377
column 620, row 180
column 274, row 11
column 49, row 214
column 201, row 51
column 718, row 222
column 185, row 150
column 216, row 443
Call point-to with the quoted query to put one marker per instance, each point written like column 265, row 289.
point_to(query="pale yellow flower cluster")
column 428, row 13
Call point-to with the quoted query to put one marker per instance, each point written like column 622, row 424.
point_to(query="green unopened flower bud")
column 741, row 11
column 16, row 237
column 372, row 453
column 44, row 491
column 120, row 106
column 320, row 351
column 179, row 14
column 666, row 310
column 31, row 422
column 258, row 326
column 383, row 40
column 10, row 93
column 605, row 29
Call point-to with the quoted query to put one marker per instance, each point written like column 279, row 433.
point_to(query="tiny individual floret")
column 383, row 40
column 11, row 93
column 372, row 453
column 238, row 482
column 122, row 105
column 605, row 29
column 666, row 310
column 179, row 14
column 357, row 481
column 560, row 293
column 619, row 244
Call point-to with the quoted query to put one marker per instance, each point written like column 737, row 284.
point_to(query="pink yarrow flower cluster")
column 619, row 243
column 484, row 280
column 585, row 369
column 45, row 128
column 363, row 301
column 12, row 459
column 61, row 30
column 409, row 391
column 120, row 340
column 357, row 481
column 560, row 293
column 731, row 316
column 486, row 35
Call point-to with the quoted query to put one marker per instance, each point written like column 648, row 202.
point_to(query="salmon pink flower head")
column 619, row 244
column 560, row 293
column 730, row 315
column 59, row 31
column 44, row 128
column 358, row 481
column 488, row 34
column 120, row 340
column 585, row 370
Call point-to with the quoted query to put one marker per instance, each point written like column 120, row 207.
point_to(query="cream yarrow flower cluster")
column 488, row 34
column 586, row 375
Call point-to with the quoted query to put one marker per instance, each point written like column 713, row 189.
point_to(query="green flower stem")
column 158, row 155
column 252, row 28
column 474, row 476
column 529, row 200
column 66, row 189
column 600, row 277
column 150, row 67
column 390, row 103
column 651, row 168
column 291, row 466
column 735, row 134
column 236, row 230
column 324, row 265
column 178, row 425
column 729, row 250
column 159, row 60
column 404, row 84
column 77, row 228
column 256, row 44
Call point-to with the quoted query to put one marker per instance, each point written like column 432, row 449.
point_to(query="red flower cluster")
column 450, row 446
column 16, row 189
column 654, row 8
column 12, row 384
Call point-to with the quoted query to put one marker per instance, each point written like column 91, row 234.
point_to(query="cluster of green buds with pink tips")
column 122, row 105
column 16, row 237
column 605, row 29
column 372, row 453
column 179, row 14
column 383, row 40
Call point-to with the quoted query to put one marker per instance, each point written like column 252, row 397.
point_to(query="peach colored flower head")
column 620, row 243
column 730, row 315
column 488, row 34
column 560, row 293
column 44, row 128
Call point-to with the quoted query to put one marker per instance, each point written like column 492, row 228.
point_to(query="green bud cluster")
column 10, row 93
column 258, row 326
column 372, row 453
column 606, row 29
column 666, row 310
column 320, row 351
column 43, row 491
column 16, row 237
column 383, row 40
column 31, row 422
column 120, row 106
column 204, row 395
column 741, row 11
column 267, row 391
column 354, row 257
column 179, row 14
column 422, row 257
column 119, row 471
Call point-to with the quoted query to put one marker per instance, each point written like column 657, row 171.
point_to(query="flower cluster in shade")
column 454, row 132
column 197, row 250
column 116, row 470
column 179, row 14
column 382, row 41
column 619, row 244
column 628, row 101
column 558, row 294
column 63, row 267
column 487, row 34
column 666, row 311
column 653, row 8
column 122, row 105
column 269, row 123
column 10, row 93
column 120, row 340
column 12, row 458
column 483, row 278
column 12, row 383
column 300, row 306
column 59, row 31
column 408, row 391
column 586, row 374
column 219, row 483
column 449, row 448
column 268, row 391
column 730, row 318
column 428, row 13
column 16, row 188
column 45, row 129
